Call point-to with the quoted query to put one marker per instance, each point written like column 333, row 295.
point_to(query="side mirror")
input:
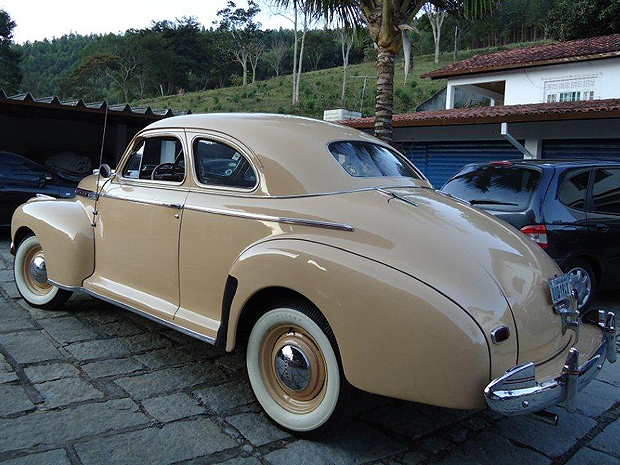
column 105, row 171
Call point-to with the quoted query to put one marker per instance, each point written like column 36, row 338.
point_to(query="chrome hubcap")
column 580, row 279
column 293, row 368
column 38, row 270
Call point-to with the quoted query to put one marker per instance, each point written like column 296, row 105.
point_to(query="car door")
column 138, row 226
column 604, row 218
column 211, row 239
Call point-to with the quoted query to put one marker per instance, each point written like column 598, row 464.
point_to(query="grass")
column 319, row 90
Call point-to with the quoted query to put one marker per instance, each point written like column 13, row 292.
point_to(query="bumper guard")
column 518, row 393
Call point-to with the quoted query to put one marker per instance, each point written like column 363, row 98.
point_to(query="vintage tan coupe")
column 329, row 255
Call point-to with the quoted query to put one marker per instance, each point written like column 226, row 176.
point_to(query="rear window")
column 495, row 187
column 366, row 160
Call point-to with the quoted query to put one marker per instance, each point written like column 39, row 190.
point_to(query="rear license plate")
column 560, row 288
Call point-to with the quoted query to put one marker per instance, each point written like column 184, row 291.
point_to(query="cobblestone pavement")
column 96, row 384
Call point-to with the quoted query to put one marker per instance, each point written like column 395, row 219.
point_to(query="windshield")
column 367, row 160
column 495, row 187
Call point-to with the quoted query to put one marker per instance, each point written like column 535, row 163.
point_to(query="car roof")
column 291, row 152
column 555, row 162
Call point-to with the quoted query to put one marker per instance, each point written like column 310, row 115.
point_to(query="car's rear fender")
column 397, row 336
column 64, row 229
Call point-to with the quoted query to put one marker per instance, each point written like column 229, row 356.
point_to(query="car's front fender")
column 397, row 336
column 66, row 235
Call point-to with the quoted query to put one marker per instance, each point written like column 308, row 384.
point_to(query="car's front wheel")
column 30, row 273
column 295, row 370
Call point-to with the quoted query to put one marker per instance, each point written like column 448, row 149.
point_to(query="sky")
column 40, row 19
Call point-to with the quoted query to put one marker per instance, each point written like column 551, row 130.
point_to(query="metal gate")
column 605, row 149
column 440, row 160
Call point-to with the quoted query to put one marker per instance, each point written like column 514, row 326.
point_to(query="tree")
column 346, row 42
column 387, row 22
column 277, row 52
column 10, row 74
column 254, row 53
column 239, row 22
column 576, row 19
column 436, row 17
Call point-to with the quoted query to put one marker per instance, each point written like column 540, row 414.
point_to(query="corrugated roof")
column 537, row 55
column 587, row 109
column 97, row 107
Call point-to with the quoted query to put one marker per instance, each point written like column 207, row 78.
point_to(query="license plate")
column 560, row 288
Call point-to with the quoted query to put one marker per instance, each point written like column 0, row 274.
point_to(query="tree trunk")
column 294, row 102
column 384, row 103
column 456, row 43
column 244, row 64
column 300, row 60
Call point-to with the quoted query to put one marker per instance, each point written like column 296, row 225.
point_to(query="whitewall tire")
column 30, row 274
column 294, row 369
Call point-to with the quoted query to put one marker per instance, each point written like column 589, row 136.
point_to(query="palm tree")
column 388, row 22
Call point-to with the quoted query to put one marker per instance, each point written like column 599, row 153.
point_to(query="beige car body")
column 411, row 282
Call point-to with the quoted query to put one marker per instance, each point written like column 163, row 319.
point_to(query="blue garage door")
column 440, row 160
column 605, row 149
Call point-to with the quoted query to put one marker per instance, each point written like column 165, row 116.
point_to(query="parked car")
column 328, row 256
column 570, row 208
column 21, row 179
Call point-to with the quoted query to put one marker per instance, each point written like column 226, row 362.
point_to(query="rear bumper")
column 517, row 392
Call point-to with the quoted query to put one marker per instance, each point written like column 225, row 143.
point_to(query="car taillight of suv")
column 538, row 233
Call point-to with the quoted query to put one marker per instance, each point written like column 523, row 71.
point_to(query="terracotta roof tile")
column 537, row 55
column 587, row 109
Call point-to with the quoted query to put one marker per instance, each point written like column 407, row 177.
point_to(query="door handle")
column 602, row 227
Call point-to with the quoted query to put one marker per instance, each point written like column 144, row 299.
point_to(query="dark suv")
column 571, row 208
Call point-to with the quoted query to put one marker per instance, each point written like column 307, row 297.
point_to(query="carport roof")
column 587, row 109
column 123, row 110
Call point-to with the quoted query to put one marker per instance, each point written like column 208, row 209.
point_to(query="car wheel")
column 583, row 280
column 295, row 369
column 31, row 276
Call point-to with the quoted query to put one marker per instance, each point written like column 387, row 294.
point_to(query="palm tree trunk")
column 384, row 104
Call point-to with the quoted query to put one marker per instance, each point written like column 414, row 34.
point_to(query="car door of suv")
column 604, row 219
column 138, row 226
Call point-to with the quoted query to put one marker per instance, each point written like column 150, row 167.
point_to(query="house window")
column 589, row 95
column 552, row 98
column 570, row 96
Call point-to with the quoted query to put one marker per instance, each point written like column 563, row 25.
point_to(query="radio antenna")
column 105, row 127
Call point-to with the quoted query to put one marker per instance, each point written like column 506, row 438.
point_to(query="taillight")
column 538, row 233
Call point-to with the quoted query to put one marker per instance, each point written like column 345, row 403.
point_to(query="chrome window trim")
column 159, row 203
column 276, row 219
column 237, row 146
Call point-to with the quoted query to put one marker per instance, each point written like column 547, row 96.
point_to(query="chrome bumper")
column 517, row 392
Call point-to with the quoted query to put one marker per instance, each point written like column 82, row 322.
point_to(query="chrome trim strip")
column 45, row 197
column 231, row 193
column 90, row 195
column 176, row 206
column 394, row 195
column 156, row 319
column 276, row 219
column 62, row 286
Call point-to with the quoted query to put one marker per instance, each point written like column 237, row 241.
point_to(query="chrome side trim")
column 276, row 219
column 62, row 286
column 394, row 195
column 45, row 197
column 90, row 195
column 176, row 206
column 156, row 319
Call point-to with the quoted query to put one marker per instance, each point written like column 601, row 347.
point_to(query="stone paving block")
column 67, row 329
column 492, row 449
column 67, row 391
column 7, row 377
column 166, row 358
column 434, row 444
column 40, row 313
column 11, row 290
column 13, row 399
column 355, row 443
column 57, row 426
column 413, row 458
column 550, row 440
column 404, row 418
column 4, row 365
column 14, row 324
column 226, row 396
column 256, row 428
column 233, row 362
column 172, row 443
column 117, row 347
column 608, row 440
column 29, row 347
column 120, row 328
column 587, row 456
column 51, row 457
column 115, row 366
column 596, row 398
column 242, row 461
column 172, row 407
column 51, row 372
column 610, row 374
column 10, row 310
column 6, row 275
column 169, row 379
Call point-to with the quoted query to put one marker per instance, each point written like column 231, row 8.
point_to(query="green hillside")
column 319, row 90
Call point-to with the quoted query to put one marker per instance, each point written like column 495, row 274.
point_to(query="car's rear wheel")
column 295, row 369
column 583, row 279
column 30, row 274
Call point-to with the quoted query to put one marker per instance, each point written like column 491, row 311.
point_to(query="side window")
column 606, row 190
column 20, row 169
column 218, row 164
column 158, row 159
column 573, row 189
